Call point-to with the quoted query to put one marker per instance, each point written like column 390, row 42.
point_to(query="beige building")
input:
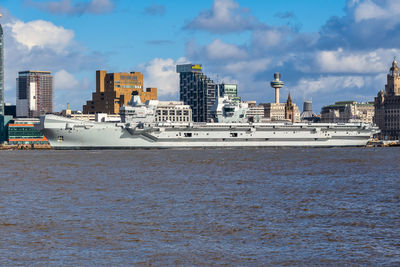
column 281, row 111
column 254, row 113
column 348, row 111
column 173, row 111
column 387, row 105
column 114, row 90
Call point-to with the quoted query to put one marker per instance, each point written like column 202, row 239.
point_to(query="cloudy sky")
column 326, row 50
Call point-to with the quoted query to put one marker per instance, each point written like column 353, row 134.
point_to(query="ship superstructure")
column 138, row 129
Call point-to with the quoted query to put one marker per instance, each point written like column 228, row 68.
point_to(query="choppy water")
column 200, row 207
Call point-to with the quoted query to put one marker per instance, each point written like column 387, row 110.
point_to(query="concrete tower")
column 1, row 71
column 277, row 84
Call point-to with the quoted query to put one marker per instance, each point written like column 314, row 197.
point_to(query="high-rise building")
column 387, row 105
column 197, row 90
column 113, row 90
column 34, row 93
column 1, row 71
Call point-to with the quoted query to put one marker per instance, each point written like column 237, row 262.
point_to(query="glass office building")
column 197, row 90
column 1, row 71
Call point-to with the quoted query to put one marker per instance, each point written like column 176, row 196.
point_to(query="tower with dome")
column 387, row 105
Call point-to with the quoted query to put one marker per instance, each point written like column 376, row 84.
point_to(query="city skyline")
column 341, row 52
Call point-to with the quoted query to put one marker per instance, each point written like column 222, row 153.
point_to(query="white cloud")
column 340, row 61
column 67, row 89
column 99, row 6
column 268, row 38
column 329, row 89
column 70, row 8
column 161, row 73
column 220, row 50
column 41, row 45
column 64, row 80
column 368, row 10
column 327, row 85
column 224, row 16
column 388, row 10
column 248, row 67
column 42, row 34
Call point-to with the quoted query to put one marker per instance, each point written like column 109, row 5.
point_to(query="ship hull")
column 64, row 133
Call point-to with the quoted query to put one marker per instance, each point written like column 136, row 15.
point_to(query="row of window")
column 24, row 135
column 172, row 119
column 28, row 142
column 392, row 111
column 125, row 77
column 129, row 86
column 173, row 112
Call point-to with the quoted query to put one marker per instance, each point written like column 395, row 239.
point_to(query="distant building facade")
column 274, row 111
column 197, row 90
column 173, row 111
column 21, row 131
column 348, row 111
column 281, row 111
column 387, row 105
column 113, row 90
column 1, row 71
column 34, row 93
column 255, row 113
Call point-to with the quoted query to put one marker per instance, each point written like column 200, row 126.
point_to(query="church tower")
column 289, row 109
column 393, row 80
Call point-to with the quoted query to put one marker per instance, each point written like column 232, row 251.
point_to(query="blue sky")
column 326, row 50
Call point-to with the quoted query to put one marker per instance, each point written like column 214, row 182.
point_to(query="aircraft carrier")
column 138, row 129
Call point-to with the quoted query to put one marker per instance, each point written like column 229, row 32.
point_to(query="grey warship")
column 138, row 129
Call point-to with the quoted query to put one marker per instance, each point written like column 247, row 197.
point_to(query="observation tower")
column 277, row 84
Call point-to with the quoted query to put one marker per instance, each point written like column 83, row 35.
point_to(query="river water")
column 253, row 207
